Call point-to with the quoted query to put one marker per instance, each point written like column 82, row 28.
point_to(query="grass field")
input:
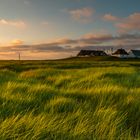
column 71, row 99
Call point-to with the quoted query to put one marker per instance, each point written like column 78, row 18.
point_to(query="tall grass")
column 70, row 100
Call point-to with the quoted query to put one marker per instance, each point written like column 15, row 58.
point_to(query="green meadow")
column 70, row 99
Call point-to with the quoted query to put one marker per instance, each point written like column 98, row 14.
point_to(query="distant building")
column 89, row 53
column 121, row 53
column 134, row 54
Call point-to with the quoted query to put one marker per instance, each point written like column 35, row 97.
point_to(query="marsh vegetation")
column 70, row 100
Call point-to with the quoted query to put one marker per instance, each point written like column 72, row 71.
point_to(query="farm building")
column 134, row 54
column 88, row 53
column 120, row 53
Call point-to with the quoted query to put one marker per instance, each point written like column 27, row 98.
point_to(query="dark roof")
column 136, row 52
column 120, row 51
column 91, row 53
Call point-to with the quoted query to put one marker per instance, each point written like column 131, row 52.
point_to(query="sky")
column 52, row 29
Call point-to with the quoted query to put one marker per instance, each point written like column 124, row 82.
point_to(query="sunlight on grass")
column 69, row 100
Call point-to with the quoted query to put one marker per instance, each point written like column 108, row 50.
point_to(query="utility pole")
column 19, row 56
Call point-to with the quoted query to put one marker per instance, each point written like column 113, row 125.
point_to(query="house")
column 120, row 53
column 88, row 53
column 134, row 54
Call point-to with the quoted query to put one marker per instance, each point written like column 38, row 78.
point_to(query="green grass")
column 72, row 99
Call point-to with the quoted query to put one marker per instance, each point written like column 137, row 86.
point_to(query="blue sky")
column 67, row 24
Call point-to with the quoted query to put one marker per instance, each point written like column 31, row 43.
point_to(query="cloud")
column 96, row 38
column 130, row 23
column 85, row 42
column 109, row 17
column 83, row 14
column 19, row 24
column 126, row 24
column 100, row 40
column 17, row 42
column 64, row 41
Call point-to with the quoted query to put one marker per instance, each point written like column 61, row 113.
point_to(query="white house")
column 121, row 53
column 134, row 54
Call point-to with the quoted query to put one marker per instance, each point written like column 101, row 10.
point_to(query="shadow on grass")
column 76, row 101
column 123, row 79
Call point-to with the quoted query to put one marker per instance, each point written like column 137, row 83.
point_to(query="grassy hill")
column 71, row 99
column 101, row 58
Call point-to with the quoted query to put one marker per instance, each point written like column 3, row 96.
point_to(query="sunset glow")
column 50, row 29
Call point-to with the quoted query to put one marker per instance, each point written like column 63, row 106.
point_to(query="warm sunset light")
column 69, row 69
column 36, row 25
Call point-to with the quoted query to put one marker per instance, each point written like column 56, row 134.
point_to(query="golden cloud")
column 17, row 42
column 84, row 14
column 109, row 17
column 130, row 23
column 19, row 23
